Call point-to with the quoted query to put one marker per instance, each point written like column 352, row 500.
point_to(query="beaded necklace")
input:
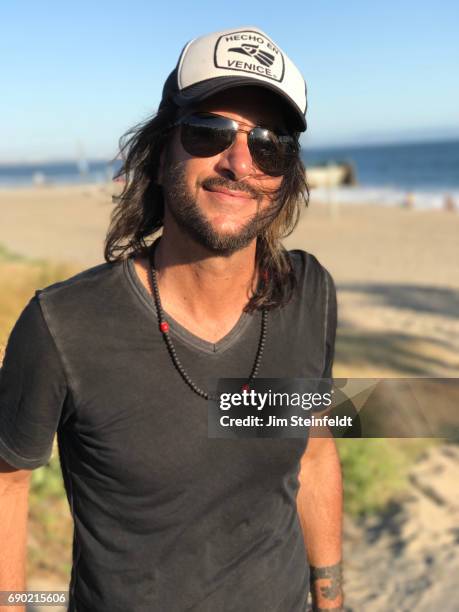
column 164, row 329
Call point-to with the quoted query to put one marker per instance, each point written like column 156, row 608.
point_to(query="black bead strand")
column 170, row 346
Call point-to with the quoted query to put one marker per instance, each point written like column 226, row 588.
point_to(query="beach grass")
column 375, row 470
column 50, row 525
column 20, row 277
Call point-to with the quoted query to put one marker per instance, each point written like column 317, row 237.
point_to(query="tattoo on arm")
column 333, row 573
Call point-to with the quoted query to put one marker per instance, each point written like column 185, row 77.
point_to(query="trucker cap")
column 233, row 58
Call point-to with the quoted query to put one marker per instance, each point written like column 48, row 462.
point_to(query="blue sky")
column 84, row 72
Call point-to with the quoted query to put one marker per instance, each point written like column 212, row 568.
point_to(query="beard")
column 186, row 213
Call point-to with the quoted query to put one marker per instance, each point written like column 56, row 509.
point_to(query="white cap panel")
column 247, row 52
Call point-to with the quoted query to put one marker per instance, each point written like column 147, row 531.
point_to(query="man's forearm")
column 14, row 492
column 320, row 506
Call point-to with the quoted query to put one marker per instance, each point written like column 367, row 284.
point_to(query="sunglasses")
column 207, row 134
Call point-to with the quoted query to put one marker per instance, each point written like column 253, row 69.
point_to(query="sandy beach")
column 397, row 276
column 396, row 270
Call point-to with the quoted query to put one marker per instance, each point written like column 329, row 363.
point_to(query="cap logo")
column 249, row 51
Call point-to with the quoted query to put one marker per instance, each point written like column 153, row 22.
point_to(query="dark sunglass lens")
column 272, row 153
column 205, row 136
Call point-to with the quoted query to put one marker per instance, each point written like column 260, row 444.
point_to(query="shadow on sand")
column 442, row 301
column 408, row 354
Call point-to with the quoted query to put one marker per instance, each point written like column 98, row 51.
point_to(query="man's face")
column 222, row 201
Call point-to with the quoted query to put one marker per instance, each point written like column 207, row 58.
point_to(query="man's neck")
column 204, row 292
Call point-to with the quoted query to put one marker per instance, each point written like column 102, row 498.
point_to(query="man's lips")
column 230, row 192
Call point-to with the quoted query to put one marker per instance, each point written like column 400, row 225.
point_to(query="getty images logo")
column 249, row 51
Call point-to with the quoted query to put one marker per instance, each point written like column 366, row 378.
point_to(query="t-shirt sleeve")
column 32, row 391
column 331, row 317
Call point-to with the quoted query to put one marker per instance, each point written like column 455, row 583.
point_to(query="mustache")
column 219, row 181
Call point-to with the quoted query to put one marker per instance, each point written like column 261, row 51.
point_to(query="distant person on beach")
column 119, row 360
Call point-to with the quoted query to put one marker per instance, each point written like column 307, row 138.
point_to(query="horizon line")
column 310, row 146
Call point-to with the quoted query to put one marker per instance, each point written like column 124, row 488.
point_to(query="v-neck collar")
column 177, row 328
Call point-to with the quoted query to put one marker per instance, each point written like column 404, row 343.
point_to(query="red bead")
column 245, row 387
column 164, row 327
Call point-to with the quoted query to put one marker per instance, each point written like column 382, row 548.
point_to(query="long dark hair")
column 139, row 210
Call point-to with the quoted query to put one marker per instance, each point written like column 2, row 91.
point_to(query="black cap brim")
column 205, row 89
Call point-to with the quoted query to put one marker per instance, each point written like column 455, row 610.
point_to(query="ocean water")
column 56, row 173
column 426, row 173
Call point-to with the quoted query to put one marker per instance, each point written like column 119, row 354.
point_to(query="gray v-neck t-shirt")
column 165, row 518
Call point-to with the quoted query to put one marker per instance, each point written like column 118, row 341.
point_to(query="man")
column 119, row 360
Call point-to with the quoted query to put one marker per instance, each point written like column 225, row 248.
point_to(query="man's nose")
column 236, row 162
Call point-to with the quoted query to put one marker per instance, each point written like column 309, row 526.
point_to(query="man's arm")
column 320, row 505
column 33, row 389
column 14, row 503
